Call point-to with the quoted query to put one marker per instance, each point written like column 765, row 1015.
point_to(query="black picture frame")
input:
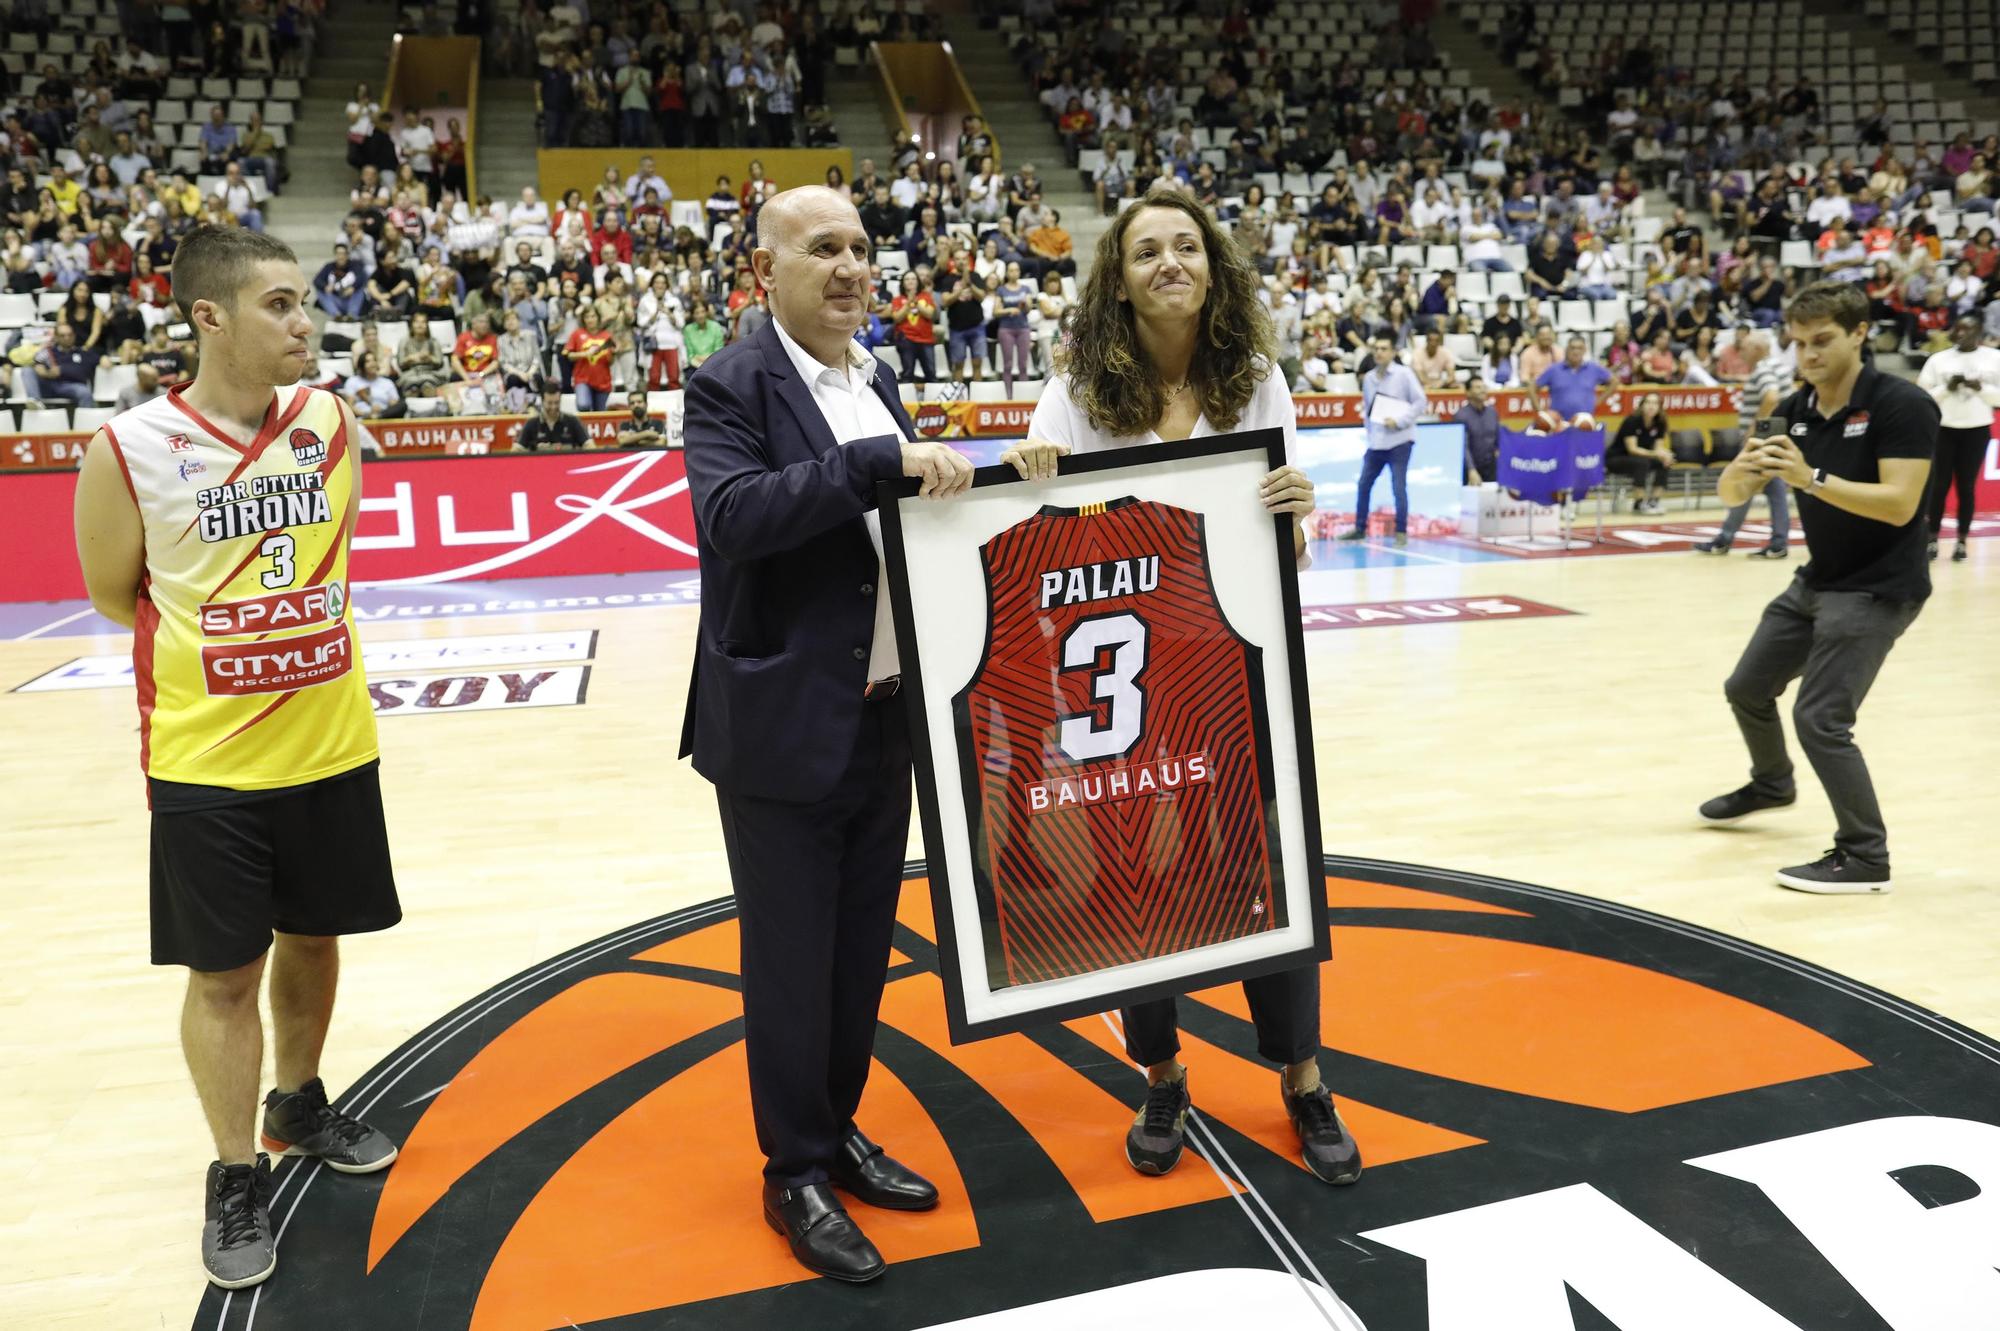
column 1270, row 443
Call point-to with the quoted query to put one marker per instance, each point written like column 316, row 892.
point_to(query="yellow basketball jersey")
column 248, row 670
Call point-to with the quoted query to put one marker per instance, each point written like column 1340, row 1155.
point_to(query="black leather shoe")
column 861, row 1170
column 824, row 1239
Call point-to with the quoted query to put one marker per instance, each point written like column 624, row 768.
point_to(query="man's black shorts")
column 231, row 866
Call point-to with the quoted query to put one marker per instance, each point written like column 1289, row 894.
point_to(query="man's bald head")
column 812, row 258
column 788, row 216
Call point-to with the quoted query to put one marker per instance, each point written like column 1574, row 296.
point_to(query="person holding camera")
column 1855, row 445
column 1965, row 381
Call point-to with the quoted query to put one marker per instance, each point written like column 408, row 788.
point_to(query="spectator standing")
column 964, row 297
column 1392, row 436
column 1769, row 382
column 1965, row 383
column 913, row 316
column 1012, row 302
column 590, row 350
column 1571, row 386
column 1481, row 420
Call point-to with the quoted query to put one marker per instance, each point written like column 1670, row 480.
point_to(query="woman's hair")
column 1235, row 343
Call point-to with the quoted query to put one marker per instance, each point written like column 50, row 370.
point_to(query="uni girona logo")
column 1574, row 1114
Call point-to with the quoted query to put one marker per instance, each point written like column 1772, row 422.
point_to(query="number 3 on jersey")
column 279, row 550
column 1115, row 685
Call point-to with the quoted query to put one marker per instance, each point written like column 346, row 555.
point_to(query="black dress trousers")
column 816, row 891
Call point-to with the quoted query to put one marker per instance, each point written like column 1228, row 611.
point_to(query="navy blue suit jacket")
column 787, row 573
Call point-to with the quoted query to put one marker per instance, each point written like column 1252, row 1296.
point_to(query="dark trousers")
column 1284, row 1006
column 1780, row 498
column 1397, row 460
column 1959, row 453
column 816, row 888
column 919, row 361
column 1834, row 644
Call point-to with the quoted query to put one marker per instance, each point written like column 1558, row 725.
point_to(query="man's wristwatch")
column 1818, row 479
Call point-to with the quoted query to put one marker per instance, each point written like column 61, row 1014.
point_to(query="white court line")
column 1402, row 553
column 66, row 619
column 1238, row 1187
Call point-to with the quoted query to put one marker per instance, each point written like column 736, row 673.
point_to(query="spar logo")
column 1560, row 1101
column 931, row 420
column 308, row 448
column 300, row 608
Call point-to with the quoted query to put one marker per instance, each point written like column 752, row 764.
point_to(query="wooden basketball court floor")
column 1568, row 751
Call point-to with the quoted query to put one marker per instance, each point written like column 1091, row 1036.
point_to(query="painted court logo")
column 1574, row 1114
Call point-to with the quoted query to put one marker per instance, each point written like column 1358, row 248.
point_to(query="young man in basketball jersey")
column 215, row 522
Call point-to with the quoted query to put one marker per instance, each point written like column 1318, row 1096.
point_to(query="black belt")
column 879, row 689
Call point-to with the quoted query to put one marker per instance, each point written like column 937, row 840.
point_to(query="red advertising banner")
column 513, row 515
column 524, row 515
column 1690, row 406
column 1988, row 488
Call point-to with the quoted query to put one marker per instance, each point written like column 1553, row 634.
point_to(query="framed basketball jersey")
column 1105, row 680
column 1113, row 746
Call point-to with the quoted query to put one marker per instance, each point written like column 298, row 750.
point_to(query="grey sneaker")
column 303, row 1123
column 238, row 1246
column 1738, row 804
column 1325, row 1145
column 1835, row 874
column 1402, row 539
column 1352, row 534
column 1154, row 1142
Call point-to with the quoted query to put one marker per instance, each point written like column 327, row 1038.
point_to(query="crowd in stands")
column 642, row 76
column 1378, row 196
column 1381, row 199
column 118, row 136
column 443, row 305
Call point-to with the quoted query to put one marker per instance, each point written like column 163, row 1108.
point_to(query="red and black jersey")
column 1115, row 745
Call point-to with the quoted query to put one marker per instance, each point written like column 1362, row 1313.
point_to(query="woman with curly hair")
column 1169, row 340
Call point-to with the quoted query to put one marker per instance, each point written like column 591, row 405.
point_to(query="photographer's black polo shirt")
column 1886, row 417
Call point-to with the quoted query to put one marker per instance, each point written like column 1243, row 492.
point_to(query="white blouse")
column 1058, row 420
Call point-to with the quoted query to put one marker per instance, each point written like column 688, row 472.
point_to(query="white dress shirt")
column 847, row 401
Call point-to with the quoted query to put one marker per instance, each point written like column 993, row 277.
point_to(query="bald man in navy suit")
column 793, row 710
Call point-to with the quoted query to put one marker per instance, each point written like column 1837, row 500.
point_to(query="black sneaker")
column 1325, row 1145
column 1958, row 553
column 303, row 1123
column 1709, row 548
column 1154, row 1142
column 1741, row 804
column 1835, row 874
column 1932, row 549
column 238, row 1246
column 1771, row 552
